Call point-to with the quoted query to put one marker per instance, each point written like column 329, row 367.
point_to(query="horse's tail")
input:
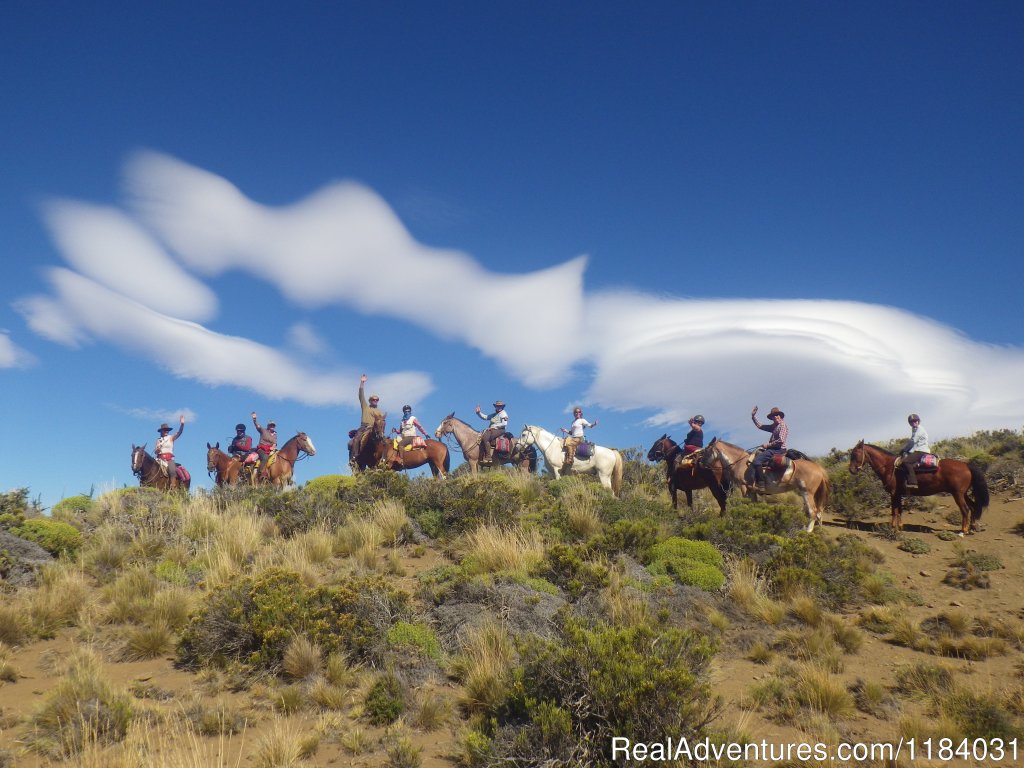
column 821, row 496
column 617, row 471
column 447, row 459
column 979, row 497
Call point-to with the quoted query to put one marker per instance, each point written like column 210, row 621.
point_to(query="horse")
column 808, row 478
column 150, row 474
column 963, row 481
column 524, row 457
column 374, row 444
column 228, row 468
column 606, row 463
column 433, row 451
column 280, row 471
column 689, row 478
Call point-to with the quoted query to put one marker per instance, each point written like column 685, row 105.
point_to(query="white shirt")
column 576, row 430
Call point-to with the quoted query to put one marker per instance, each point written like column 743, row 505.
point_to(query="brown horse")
column 370, row 453
column 806, row 477
column 964, row 482
column 433, row 452
column 281, row 465
column 150, row 475
column 228, row 468
column 524, row 457
column 688, row 478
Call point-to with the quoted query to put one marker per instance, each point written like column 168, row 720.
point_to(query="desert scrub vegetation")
column 695, row 563
column 251, row 619
column 568, row 696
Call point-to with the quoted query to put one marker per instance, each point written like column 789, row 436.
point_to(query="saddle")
column 929, row 462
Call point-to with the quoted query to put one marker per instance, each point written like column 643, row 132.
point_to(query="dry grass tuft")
column 148, row 642
column 390, row 517
column 303, row 658
column 281, row 747
column 483, row 667
column 749, row 590
column 494, row 549
column 356, row 534
column 434, row 711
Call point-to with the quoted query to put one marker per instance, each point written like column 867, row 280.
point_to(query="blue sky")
column 653, row 210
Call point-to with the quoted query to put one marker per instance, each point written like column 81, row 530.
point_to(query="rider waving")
column 165, row 449
column 267, row 444
column 776, row 443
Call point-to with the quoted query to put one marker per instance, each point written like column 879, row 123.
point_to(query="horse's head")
column 661, row 448
column 380, row 426
column 710, row 454
column 211, row 456
column 305, row 443
column 446, row 426
column 857, row 457
column 528, row 436
column 138, row 458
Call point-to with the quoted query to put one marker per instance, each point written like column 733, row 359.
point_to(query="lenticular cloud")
column 841, row 370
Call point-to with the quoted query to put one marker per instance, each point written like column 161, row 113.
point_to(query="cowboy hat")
column 775, row 412
column 499, row 403
column 165, row 427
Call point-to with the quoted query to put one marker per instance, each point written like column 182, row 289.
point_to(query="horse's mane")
column 879, row 448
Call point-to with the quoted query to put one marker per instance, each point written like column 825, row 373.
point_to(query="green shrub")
column 72, row 508
column 640, row 680
column 415, row 636
column 915, row 546
column 632, row 536
column 572, row 569
column 833, row 571
column 463, row 503
column 751, row 529
column 252, row 619
column 696, row 563
column 385, row 701
column 55, row 537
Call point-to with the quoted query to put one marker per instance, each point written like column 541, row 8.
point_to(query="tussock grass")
column 303, row 658
column 493, row 549
column 390, row 517
column 817, row 689
column 14, row 623
column 483, row 666
column 148, row 642
column 8, row 673
column 289, row 699
column 760, row 653
column 58, row 601
column 623, row 606
column 172, row 606
column 280, row 747
column 806, row 610
column 402, row 753
column 81, row 709
column 357, row 741
column 748, row 588
column 878, row 620
column 329, row 696
column 434, row 710
column 581, row 507
column 356, row 534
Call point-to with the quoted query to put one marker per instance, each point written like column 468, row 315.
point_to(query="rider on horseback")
column 693, row 442
column 776, row 443
column 165, row 450
column 575, row 436
column 407, row 428
column 916, row 447
column 241, row 443
column 498, row 424
column 267, row 444
column 369, row 412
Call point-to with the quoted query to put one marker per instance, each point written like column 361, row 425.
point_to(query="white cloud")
column 107, row 246
column 191, row 351
column 344, row 245
column 11, row 355
column 304, row 338
column 170, row 415
column 840, row 370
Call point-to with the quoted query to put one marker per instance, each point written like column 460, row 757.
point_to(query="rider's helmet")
column 912, row 418
column 406, row 409
column 239, row 427
column 698, row 419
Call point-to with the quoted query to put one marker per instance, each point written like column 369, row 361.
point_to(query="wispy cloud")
column 156, row 414
column 841, row 370
column 11, row 355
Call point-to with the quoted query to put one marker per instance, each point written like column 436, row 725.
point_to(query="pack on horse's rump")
column 584, row 450
column 503, row 444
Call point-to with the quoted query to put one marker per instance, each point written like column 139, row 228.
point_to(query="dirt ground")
column 733, row 673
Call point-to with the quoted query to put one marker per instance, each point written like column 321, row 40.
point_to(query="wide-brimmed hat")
column 375, row 397
column 499, row 403
column 776, row 412
column 165, row 427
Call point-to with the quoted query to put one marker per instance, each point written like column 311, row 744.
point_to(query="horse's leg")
column 689, row 497
column 965, row 512
column 812, row 512
column 719, row 494
column 896, row 502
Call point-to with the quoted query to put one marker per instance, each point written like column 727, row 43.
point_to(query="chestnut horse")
column 689, row 478
column 228, row 468
column 374, row 443
column 523, row 456
column 281, row 470
column 807, row 477
column 433, row 452
column 964, row 482
column 150, row 475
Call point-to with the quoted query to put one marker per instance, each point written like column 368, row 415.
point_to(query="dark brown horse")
column 150, row 474
column 964, row 482
column 688, row 478
column 281, row 465
column 228, row 468
column 370, row 446
column 433, row 452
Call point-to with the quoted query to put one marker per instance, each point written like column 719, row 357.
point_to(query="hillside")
column 503, row 620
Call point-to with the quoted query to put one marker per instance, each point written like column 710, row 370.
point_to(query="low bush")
column 55, row 537
column 416, row 637
column 696, row 563
column 463, row 504
column 751, row 529
column 385, row 701
column 833, row 571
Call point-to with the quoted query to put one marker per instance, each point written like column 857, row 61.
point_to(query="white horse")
column 606, row 463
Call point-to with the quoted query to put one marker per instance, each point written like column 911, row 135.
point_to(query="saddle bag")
column 584, row 450
column 928, row 461
column 779, row 462
column 183, row 475
column 503, row 444
column 419, row 442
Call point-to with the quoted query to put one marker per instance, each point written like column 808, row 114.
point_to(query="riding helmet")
column 912, row 418
column 239, row 427
column 406, row 409
column 698, row 419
